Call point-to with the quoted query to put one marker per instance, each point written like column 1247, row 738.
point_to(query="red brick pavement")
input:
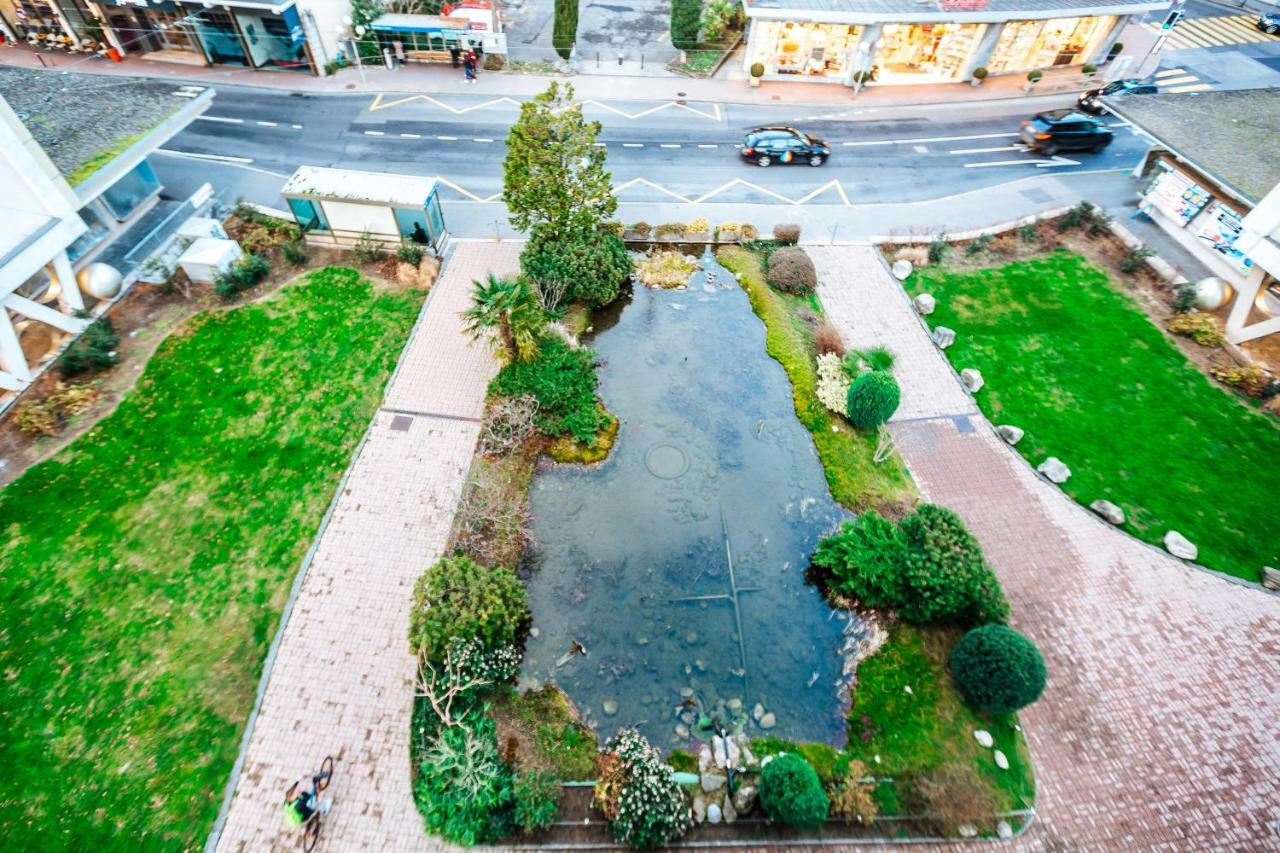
column 1160, row 726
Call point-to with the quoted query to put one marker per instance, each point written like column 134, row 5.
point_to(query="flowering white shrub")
column 833, row 383
column 651, row 808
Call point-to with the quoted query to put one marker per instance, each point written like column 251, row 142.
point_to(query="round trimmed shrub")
column 997, row 669
column 459, row 598
column 787, row 232
column 792, row 271
column 873, row 398
column 791, row 792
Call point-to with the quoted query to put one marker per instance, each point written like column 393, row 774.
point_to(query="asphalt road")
column 658, row 151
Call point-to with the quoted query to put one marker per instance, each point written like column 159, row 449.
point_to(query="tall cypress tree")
column 686, row 18
column 564, row 27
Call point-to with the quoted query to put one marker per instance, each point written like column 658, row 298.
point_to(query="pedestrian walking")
column 469, row 67
column 455, row 56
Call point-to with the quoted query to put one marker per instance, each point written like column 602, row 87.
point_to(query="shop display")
column 910, row 52
column 1027, row 45
column 1177, row 195
column 821, row 50
column 1218, row 228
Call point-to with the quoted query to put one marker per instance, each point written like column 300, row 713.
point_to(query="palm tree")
column 512, row 309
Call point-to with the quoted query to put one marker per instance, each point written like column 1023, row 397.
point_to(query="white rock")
column 943, row 337
column 1003, row 829
column 713, row 813
column 712, row 782
column 1270, row 578
column 906, row 688
column 718, row 751
column 1011, row 434
column 699, row 808
column 609, row 707
column 728, row 811
column 1109, row 511
column 744, row 798
column 984, row 738
column 924, row 304
column 768, row 721
column 1002, row 760
column 757, row 712
column 704, row 759
column 682, row 731
column 686, row 692
column 732, row 753
column 534, row 632
column 1179, row 546
column 901, row 269
column 1055, row 470
column 734, row 704
column 967, row 830
column 972, row 379
column 767, row 759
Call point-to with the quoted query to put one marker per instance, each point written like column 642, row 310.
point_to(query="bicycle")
column 310, row 826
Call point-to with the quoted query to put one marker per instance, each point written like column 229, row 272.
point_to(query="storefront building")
column 940, row 41
column 240, row 33
column 1202, row 182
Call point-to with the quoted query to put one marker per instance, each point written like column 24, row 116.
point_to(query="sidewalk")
column 1156, row 730
column 341, row 681
column 442, row 78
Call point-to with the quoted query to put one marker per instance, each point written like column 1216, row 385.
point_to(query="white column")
column 15, row 372
column 71, row 296
column 1246, row 293
column 981, row 55
column 46, row 315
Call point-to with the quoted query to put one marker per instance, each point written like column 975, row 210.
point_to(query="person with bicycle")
column 301, row 800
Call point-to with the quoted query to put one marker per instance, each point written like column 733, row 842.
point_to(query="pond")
column 677, row 565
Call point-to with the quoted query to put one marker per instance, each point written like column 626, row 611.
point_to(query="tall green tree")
column 554, row 172
column 686, row 18
column 509, row 312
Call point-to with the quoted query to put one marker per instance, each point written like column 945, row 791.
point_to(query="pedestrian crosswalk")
column 1217, row 31
column 1175, row 80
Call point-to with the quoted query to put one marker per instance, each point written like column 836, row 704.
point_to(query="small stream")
column 678, row 563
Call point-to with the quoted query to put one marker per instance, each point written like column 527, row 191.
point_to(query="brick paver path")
column 342, row 682
column 1160, row 726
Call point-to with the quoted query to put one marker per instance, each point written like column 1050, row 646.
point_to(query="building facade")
column 263, row 36
column 77, row 184
column 929, row 41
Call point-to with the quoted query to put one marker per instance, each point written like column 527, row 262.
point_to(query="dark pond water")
column 713, row 486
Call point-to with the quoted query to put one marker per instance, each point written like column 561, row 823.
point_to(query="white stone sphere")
column 101, row 281
column 901, row 269
column 1212, row 293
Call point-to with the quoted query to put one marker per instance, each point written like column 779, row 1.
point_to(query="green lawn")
column 855, row 480
column 930, row 726
column 144, row 567
column 1074, row 362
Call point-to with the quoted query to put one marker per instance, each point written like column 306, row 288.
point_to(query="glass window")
column 435, row 218
column 915, row 53
column 413, row 225
column 98, row 229
column 130, row 192
column 217, row 33
column 1024, row 45
column 308, row 214
column 275, row 41
column 817, row 50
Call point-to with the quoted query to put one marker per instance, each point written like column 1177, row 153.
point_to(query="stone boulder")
column 972, row 380
column 718, row 752
column 733, row 753
column 768, row 721
column 1270, row 578
column 901, row 269
column 744, row 799
column 1108, row 511
column 712, row 782
column 984, row 738
column 924, row 304
column 704, row 759
column 1054, row 469
column 714, row 815
column 1011, row 434
column 699, row 809
column 1002, row 760
column 943, row 337
column 1179, row 546
column 1004, row 829
column 727, row 810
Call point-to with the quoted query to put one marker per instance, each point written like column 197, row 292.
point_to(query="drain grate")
column 963, row 424
column 401, row 423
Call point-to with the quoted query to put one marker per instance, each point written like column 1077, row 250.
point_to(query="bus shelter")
column 434, row 38
column 337, row 207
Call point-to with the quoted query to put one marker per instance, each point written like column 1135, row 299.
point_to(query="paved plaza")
column 342, row 679
column 1158, row 726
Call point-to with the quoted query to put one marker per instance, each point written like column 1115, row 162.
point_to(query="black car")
column 765, row 146
column 1269, row 23
column 1065, row 130
column 1090, row 100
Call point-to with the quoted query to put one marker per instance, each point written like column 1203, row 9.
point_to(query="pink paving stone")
column 342, row 682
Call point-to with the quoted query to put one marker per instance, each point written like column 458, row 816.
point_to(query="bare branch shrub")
column 508, row 424
column 492, row 523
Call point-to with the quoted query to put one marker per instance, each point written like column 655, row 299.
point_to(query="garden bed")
column 148, row 562
column 1075, row 362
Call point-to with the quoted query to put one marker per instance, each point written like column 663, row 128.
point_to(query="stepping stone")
column 984, row 738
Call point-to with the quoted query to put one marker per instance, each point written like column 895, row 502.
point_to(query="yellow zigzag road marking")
column 736, row 182
column 382, row 102
column 378, row 103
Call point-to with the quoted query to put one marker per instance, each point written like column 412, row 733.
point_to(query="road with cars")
column 657, row 151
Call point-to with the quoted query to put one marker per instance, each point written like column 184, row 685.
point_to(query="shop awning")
column 395, row 23
column 939, row 11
